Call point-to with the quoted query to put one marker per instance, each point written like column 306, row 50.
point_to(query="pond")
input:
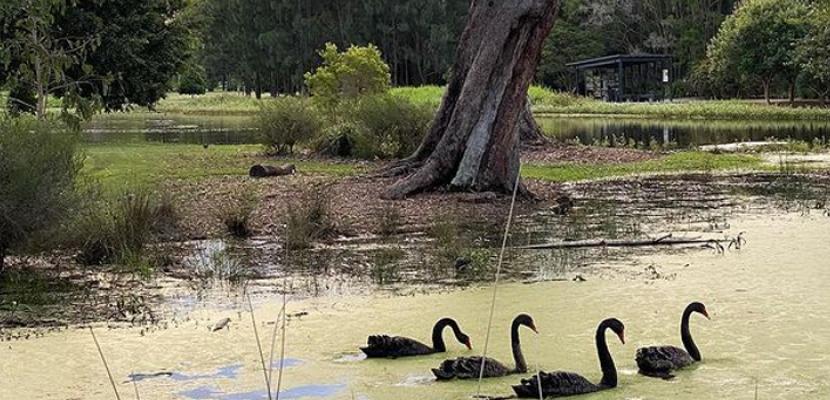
column 170, row 128
column 643, row 133
column 768, row 302
column 683, row 134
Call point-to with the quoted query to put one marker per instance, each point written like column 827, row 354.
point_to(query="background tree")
column 37, row 56
column 473, row 143
column 193, row 80
column 813, row 53
column 119, row 51
column 348, row 74
column 758, row 43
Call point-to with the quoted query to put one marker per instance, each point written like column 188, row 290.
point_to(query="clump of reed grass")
column 117, row 230
column 389, row 219
column 385, row 265
column 309, row 219
column 236, row 215
column 215, row 262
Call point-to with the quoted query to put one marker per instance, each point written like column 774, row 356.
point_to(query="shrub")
column 381, row 126
column 286, row 122
column 117, row 230
column 309, row 219
column 236, row 215
column 357, row 71
column 39, row 162
column 394, row 125
column 193, row 80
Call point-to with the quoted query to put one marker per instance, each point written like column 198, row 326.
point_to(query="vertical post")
column 621, row 80
column 578, row 88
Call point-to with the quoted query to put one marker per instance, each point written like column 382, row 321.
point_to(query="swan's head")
column 526, row 320
column 698, row 308
column 465, row 340
column 617, row 326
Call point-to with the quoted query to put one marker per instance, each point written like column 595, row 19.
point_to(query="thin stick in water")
column 496, row 282
column 282, row 339
column 259, row 347
column 106, row 366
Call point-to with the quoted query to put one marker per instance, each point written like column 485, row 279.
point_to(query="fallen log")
column 262, row 171
column 661, row 241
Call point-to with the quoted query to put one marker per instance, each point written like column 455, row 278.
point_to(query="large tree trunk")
column 2, row 260
column 473, row 143
column 529, row 131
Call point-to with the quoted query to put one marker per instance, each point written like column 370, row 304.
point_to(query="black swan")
column 380, row 346
column 659, row 361
column 562, row 384
column 470, row 367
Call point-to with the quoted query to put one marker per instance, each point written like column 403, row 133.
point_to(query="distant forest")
column 267, row 45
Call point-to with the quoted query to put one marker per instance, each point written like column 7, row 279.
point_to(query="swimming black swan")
column 396, row 346
column 470, row 367
column 561, row 384
column 659, row 361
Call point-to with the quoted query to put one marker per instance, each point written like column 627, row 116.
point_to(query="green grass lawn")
column 117, row 166
column 691, row 161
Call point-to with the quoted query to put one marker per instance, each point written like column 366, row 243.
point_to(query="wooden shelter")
column 624, row 77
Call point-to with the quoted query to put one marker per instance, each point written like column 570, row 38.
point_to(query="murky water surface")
column 768, row 301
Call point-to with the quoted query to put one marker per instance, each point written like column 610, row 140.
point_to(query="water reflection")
column 170, row 128
column 646, row 133
column 210, row 392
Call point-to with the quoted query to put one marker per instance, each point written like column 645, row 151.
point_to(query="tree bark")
column 766, row 92
column 791, row 92
column 2, row 260
column 529, row 131
column 473, row 143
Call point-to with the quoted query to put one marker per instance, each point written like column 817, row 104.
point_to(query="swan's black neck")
column 606, row 363
column 437, row 333
column 686, row 335
column 518, row 357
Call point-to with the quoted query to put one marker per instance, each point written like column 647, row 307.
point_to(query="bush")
column 286, row 122
column 382, row 126
column 236, row 215
column 357, row 71
column 309, row 219
column 394, row 125
column 118, row 230
column 193, row 80
column 39, row 162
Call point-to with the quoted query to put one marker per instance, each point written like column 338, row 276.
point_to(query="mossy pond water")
column 768, row 301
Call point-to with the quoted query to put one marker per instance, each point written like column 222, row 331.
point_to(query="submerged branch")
column 667, row 240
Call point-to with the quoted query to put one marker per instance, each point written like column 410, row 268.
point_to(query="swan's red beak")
column 533, row 328
column 706, row 314
column 622, row 337
column 469, row 345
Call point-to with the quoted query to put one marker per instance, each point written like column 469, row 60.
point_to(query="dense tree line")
column 267, row 45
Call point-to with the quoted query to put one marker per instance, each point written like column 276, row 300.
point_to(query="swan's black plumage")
column 384, row 346
column 562, row 384
column 660, row 361
column 470, row 367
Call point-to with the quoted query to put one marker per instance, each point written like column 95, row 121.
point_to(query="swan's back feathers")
column 659, row 360
column 379, row 346
column 555, row 384
column 469, row 368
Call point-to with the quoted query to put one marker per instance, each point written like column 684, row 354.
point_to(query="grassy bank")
column 674, row 163
column 125, row 165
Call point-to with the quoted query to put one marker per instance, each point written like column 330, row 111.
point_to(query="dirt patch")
column 556, row 154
